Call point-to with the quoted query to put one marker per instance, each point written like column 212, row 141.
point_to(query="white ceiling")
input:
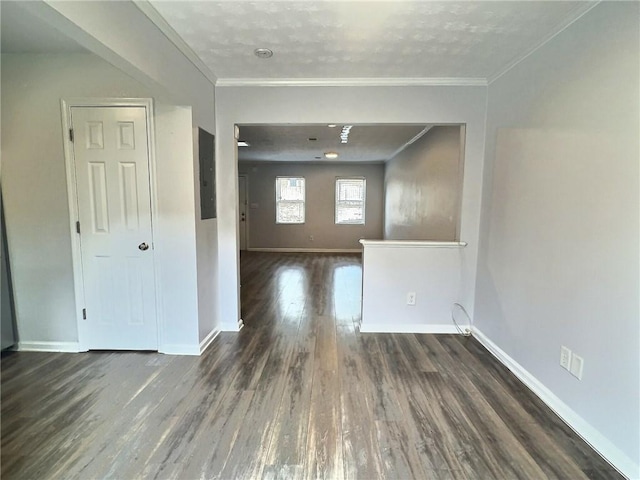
column 290, row 143
column 365, row 39
column 22, row 32
column 332, row 39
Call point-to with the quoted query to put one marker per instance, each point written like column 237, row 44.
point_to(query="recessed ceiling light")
column 331, row 155
column 332, row 125
column 243, row 144
column 263, row 53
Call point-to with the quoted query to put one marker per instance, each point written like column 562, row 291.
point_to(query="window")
column 350, row 198
column 290, row 200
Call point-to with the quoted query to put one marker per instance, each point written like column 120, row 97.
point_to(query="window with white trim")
column 290, row 199
column 350, row 200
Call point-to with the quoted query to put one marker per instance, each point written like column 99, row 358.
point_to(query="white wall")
column 35, row 190
column 121, row 33
column 559, row 263
column 320, row 206
column 393, row 269
column 341, row 105
column 422, row 187
column 207, row 258
column 34, row 182
column 176, row 255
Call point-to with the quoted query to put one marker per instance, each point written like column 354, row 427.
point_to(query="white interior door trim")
column 76, row 252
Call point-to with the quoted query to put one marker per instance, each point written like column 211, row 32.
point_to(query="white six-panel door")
column 111, row 160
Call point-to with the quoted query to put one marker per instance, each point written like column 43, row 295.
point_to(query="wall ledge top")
column 410, row 244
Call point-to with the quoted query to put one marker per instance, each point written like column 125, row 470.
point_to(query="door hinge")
column 71, row 134
column 78, row 227
column 84, row 313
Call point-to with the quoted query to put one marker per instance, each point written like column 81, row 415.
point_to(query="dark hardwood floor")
column 297, row 394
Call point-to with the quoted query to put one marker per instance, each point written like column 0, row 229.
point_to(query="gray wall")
column 320, row 205
column 423, row 187
column 558, row 263
column 8, row 334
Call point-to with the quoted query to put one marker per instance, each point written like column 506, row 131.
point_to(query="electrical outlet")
column 411, row 298
column 565, row 358
column 311, row 238
column 577, row 364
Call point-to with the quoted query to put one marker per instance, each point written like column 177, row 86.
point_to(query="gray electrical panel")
column 207, row 154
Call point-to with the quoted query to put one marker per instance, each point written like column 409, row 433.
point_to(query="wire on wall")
column 456, row 309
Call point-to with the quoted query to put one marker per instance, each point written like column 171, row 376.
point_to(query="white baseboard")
column 307, row 250
column 405, row 328
column 204, row 344
column 69, row 347
column 612, row 454
column 229, row 327
column 174, row 349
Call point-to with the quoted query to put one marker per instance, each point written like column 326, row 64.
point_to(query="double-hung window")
column 350, row 200
column 290, row 199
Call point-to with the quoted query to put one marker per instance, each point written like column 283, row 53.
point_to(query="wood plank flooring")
column 298, row 393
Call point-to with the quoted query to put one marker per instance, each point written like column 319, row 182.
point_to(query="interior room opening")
column 313, row 191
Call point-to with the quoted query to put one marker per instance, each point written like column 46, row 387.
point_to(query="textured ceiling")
column 290, row 143
column 364, row 39
column 22, row 32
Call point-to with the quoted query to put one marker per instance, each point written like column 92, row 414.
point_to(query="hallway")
column 298, row 393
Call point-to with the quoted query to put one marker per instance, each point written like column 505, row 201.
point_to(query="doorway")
column 352, row 182
column 109, row 169
column 242, row 210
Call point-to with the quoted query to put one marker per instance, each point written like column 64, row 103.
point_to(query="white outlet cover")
column 411, row 298
column 577, row 365
column 565, row 358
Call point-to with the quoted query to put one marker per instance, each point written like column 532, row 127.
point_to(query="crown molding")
column 562, row 26
column 350, row 82
column 422, row 133
column 158, row 20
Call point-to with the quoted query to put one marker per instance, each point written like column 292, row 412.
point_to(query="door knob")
column 143, row 246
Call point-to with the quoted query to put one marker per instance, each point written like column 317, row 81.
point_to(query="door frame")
column 246, row 216
column 72, row 196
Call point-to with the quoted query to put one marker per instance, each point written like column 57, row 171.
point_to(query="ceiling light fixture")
column 332, row 125
column 243, row 144
column 263, row 53
column 330, row 155
column 344, row 135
